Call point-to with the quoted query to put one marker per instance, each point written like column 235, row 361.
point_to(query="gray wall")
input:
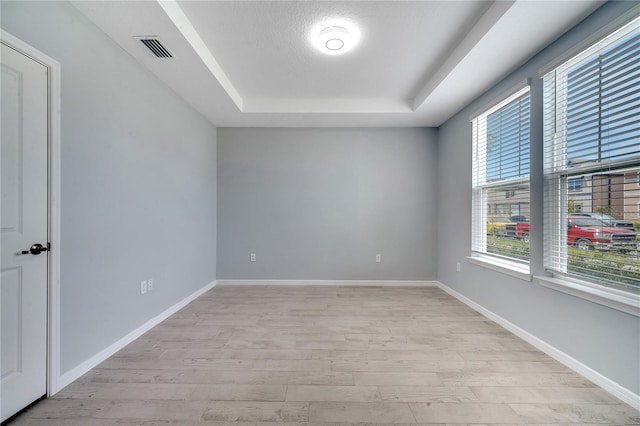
column 138, row 183
column 604, row 339
column 318, row 204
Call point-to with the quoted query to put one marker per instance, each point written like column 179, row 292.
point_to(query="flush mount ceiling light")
column 335, row 37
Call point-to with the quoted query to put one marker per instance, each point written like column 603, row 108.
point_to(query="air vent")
column 156, row 47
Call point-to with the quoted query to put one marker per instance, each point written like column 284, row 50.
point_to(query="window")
column 501, row 179
column 575, row 184
column 592, row 136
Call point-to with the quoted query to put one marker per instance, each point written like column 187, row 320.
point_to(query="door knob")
column 36, row 249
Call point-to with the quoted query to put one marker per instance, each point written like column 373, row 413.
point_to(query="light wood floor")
column 329, row 355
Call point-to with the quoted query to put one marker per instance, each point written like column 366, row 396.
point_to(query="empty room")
column 320, row 212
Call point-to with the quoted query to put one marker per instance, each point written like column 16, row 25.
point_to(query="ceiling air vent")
column 156, row 47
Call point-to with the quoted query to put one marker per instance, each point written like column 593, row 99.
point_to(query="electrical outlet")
column 150, row 284
column 143, row 287
column 378, row 258
column 253, row 257
column 458, row 267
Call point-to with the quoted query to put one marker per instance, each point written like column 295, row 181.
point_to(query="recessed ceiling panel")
column 266, row 50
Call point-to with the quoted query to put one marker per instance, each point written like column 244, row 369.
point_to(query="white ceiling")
column 251, row 63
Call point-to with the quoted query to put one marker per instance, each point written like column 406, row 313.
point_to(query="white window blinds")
column 501, row 162
column 592, row 159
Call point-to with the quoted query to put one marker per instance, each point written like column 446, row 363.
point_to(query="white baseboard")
column 76, row 372
column 605, row 383
column 341, row 283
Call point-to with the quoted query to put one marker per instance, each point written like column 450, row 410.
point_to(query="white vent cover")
column 156, row 47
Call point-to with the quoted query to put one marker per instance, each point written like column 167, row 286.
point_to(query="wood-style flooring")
column 265, row 355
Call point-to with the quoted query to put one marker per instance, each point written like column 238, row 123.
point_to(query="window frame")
column 512, row 266
column 556, row 178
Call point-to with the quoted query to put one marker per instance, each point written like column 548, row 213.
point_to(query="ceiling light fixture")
column 335, row 37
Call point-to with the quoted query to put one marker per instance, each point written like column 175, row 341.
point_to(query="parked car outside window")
column 608, row 220
column 587, row 233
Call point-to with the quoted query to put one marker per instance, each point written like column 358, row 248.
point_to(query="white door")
column 24, row 219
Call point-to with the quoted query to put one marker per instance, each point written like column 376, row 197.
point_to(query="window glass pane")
column 603, row 105
column 500, row 176
column 508, row 221
column 602, row 223
column 508, row 141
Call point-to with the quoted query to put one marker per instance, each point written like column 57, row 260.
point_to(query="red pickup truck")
column 585, row 233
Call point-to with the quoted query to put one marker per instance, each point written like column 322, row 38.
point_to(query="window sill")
column 515, row 269
column 617, row 299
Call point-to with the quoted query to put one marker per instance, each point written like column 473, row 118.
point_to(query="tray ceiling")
column 253, row 63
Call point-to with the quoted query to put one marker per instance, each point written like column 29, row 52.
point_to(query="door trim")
column 53, row 220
